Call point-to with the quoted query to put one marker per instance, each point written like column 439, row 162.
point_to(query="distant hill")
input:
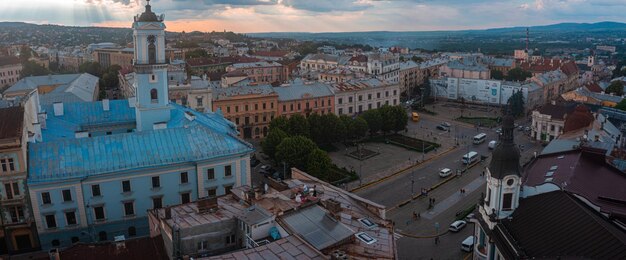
column 569, row 27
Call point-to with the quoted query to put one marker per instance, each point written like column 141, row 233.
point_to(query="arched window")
column 154, row 95
column 56, row 242
column 102, row 236
column 132, row 231
column 257, row 131
column 265, row 131
column 151, row 49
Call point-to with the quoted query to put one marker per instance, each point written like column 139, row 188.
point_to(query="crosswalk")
column 397, row 235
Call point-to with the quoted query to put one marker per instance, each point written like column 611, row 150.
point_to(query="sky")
column 245, row 16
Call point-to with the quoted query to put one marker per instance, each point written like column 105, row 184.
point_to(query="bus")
column 415, row 116
column 480, row 138
column 470, row 157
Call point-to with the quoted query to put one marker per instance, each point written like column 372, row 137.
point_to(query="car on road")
column 445, row 126
column 520, row 128
column 499, row 130
column 456, row 226
column 492, row 144
column 445, row 172
column 468, row 244
column 266, row 170
column 469, row 217
column 527, row 129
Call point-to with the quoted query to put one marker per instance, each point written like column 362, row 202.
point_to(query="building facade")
column 355, row 97
column 305, row 98
column 384, row 66
column 250, row 108
column 123, row 157
column 410, row 76
column 263, row 72
column 10, row 71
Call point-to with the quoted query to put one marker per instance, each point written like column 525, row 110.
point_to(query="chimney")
column 81, row 134
column 160, row 125
column 105, row 104
column 58, row 108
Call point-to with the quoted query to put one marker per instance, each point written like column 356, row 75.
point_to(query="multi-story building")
column 196, row 94
column 250, row 108
column 18, row 227
column 101, row 165
column 114, row 56
column 339, row 74
column 465, row 68
column 57, row 88
column 410, row 76
column 69, row 61
column 357, row 96
column 305, row 98
column 10, row 70
column 384, row 66
column 319, row 61
column 262, row 72
column 548, row 121
column 357, row 63
column 553, row 83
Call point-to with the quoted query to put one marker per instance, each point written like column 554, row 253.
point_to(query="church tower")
column 150, row 65
column 503, row 177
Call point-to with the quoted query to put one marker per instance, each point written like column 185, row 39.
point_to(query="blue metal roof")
column 61, row 156
column 299, row 90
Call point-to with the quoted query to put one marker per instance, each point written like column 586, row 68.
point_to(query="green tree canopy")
column 295, row 151
column 31, row 68
column 271, row 142
column 25, row 54
column 315, row 128
column 621, row 105
column 196, row 53
column 516, row 103
column 416, row 59
column 400, row 118
column 92, row 68
column 518, row 74
column 333, row 129
column 497, row 75
column 373, row 119
column 318, row 164
column 615, row 88
column 358, row 128
column 388, row 118
column 298, row 125
column 281, row 123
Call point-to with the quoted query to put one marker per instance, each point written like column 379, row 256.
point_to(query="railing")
column 252, row 244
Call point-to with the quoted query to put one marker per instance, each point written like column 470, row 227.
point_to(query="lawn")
column 483, row 121
column 411, row 143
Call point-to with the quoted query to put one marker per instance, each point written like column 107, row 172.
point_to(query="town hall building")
column 100, row 166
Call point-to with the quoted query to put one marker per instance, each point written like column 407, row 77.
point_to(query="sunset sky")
column 317, row 15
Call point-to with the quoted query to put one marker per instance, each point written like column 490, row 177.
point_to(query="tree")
column 373, row 119
column 516, row 103
column 401, row 119
column 518, row 74
column 497, row 75
column 273, row 139
column 25, row 54
column 197, row 53
column 318, row 164
column 30, row 68
column 332, row 129
column 616, row 88
column 358, row 128
column 295, row 151
column 315, row 128
column 281, row 123
column 388, row 119
column 298, row 125
column 92, row 68
column 416, row 59
column 621, row 105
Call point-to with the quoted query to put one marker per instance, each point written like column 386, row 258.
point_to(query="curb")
column 414, row 236
column 364, row 186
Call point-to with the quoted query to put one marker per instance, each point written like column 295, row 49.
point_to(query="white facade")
column 385, row 66
column 546, row 128
column 353, row 100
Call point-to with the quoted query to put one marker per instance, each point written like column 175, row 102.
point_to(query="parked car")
column 527, row 129
column 266, row 170
column 520, row 128
column 446, row 124
column 456, row 226
column 469, row 217
column 492, row 144
column 468, row 244
column 445, row 172
column 442, row 128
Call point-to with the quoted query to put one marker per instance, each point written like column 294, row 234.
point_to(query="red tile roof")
column 544, row 65
column 359, row 58
column 594, row 87
column 580, row 118
column 278, row 54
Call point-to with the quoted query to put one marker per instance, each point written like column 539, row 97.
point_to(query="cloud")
column 327, row 5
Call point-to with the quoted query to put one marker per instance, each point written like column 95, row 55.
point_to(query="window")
column 349, row 99
column 129, row 208
column 7, row 164
column 256, row 106
column 210, row 173
column 185, row 198
column 227, row 109
column 203, row 245
column 156, row 182
column 237, row 109
column 151, row 49
column 386, row 93
column 360, row 108
column 227, row 188
column 395, row 92
column 102, row 235
column 360, row 97
column 125, row 186
column 67, row 195
column 17, row 214
column 45, row 198
column 284, row 108
column 256, row 119
column 230, row 239
column 246, row 107
column 51, row 222
column 95, row 190
column 184, row 178
column 378, row 95
column 340, row 111
column 132, row 231
column 98, row 212
column 340, row 100
column 291, row 107
column 154, row 96
column 369, row 96
column 228, row 171
column 199, row 101
column 211, row 192
column 12, row 189
column 369, row 106
column 263, row 105
column 487, row 203
column 272, row 105
column 299, row 107
column 507, row 201
column 157, row 203
column 350, row 110
column 70, row 217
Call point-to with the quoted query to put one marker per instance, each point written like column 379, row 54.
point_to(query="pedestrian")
column 414, row 215
column 418, row 215
column 436, row 240
column 433, row 201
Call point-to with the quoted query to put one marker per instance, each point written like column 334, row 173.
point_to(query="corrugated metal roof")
column 69, row 87
column 61, row 156
column 300, row 90
column 317, row 228
column 220, row 93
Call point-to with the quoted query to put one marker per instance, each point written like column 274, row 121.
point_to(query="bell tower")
column 150, row 65
column 503, row 177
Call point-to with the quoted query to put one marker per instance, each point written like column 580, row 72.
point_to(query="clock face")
column 510, row 182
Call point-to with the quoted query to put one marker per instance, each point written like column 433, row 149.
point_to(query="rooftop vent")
column 367, row 239
column 190, row 116
column 333, row 206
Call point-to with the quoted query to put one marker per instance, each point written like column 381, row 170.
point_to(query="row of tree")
column 515, row 74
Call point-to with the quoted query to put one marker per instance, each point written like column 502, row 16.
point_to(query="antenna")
column 527, row 38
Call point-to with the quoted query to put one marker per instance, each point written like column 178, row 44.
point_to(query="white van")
column 492, row 144
column 470, row 157
column 445, row 172
column 468, row 244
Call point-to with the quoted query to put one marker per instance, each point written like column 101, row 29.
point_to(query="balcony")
column 16, row 200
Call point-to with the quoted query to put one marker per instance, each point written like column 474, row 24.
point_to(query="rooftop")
column 11, row 122
column 66, row 88
column 258, row 64
column 358, row 84
column 469, row 64
column 131, row 249
column 220, row 93
column 318, row 229
column 557, row 111
column 321, row 56
column 289, row 247
column 9, row 60
column 299, row 90
column 62, row 156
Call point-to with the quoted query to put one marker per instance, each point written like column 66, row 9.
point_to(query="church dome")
column 505, row 157
column 148, row 15
column 580, row 118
